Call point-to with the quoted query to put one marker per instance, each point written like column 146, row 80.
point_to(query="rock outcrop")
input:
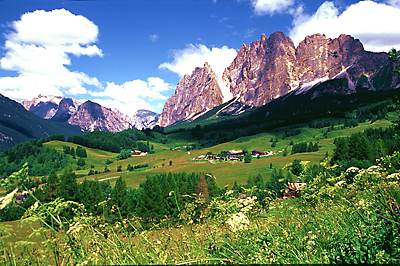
column 271, row 67
column 92, row 116
column 195, row 94
column 88, row 116
column 144, row 119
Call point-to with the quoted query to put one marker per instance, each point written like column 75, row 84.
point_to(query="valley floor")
column 226, row 173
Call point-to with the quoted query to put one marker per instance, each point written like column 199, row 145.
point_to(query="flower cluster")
column 238, row 222
column 247, row 204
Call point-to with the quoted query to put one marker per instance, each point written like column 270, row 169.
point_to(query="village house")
column 200, row 158
column 208, row 156
column 235, row 155
column 138, row 153
column 256, row 153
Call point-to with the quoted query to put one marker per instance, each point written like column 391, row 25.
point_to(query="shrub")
column 248, row 158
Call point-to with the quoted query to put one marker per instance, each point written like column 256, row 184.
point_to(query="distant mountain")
column 195, row 94
column 143, row 119
column 92, row 116
column 43, row 106
column 88, row 116
column 17, row 125
column 65, row 109
column 273, row 67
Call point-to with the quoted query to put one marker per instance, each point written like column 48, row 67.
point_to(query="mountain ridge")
column 18, row 125
column 92, row 116
column 270, row 68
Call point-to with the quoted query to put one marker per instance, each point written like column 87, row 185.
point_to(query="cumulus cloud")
column 38, row 47
column 133, row 95
column 394, row 2
column 192, row 56
column 270, row 7
column 375, row 24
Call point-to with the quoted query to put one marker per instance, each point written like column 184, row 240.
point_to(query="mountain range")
column 270, row 79
column 17, row 125
column 88, row 115
column 273, row 67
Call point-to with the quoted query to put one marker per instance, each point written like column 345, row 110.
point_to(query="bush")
column 124, row 154
column 248, row 158
column 80, row 162
column 81, row 152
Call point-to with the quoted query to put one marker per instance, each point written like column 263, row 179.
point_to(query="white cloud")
column 38, row 48
column 132, row 95
column 375, row 24
column 154, row 37
column 262, row 7
column 394, row 2
column 192, row 56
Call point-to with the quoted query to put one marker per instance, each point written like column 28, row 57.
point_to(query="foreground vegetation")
column 342, row 217
column 88, row 201
column 345, row 214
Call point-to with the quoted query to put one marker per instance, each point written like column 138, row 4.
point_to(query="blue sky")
column 133, row 38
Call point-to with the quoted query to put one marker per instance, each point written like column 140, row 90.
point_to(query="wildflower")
column 340, row 183
column 374, row 168
column 394, row 177
column 229, row 192
column 238, row 222
column 352, row 169
column 75, row 229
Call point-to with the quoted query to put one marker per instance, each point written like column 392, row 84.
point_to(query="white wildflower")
column 374, row 168
column 238, row 222
column 352, row 170
column 229, row 192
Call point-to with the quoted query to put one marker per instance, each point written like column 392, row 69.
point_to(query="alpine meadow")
column 199, row 132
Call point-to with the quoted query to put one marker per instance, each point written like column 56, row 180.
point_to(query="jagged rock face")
column 44, row 110
column 43, row 106
column 91, row 116
column 144, row 119
column 194, row 94
column 272, row 67
column 261, row 70
column 65, row 110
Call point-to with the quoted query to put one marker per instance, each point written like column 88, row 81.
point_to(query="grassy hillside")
column 226, row 173
column 353, row 219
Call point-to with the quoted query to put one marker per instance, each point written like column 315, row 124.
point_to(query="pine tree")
column 297, row 168
column 81, row 152
column 203, row 188
column 52, row 188
column 68, row 186
column 119, row 193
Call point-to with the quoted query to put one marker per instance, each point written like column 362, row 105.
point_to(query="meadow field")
column 225, row 172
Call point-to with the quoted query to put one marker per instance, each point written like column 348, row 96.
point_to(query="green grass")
column 226, row 173
column 327, row 224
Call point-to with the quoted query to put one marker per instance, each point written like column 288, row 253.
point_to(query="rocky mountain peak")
column 194, row 95
column 66, row 108
column 143, row 119
column 260, row 71
column 92, row 116
column 88, row 115
column 271, row 67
